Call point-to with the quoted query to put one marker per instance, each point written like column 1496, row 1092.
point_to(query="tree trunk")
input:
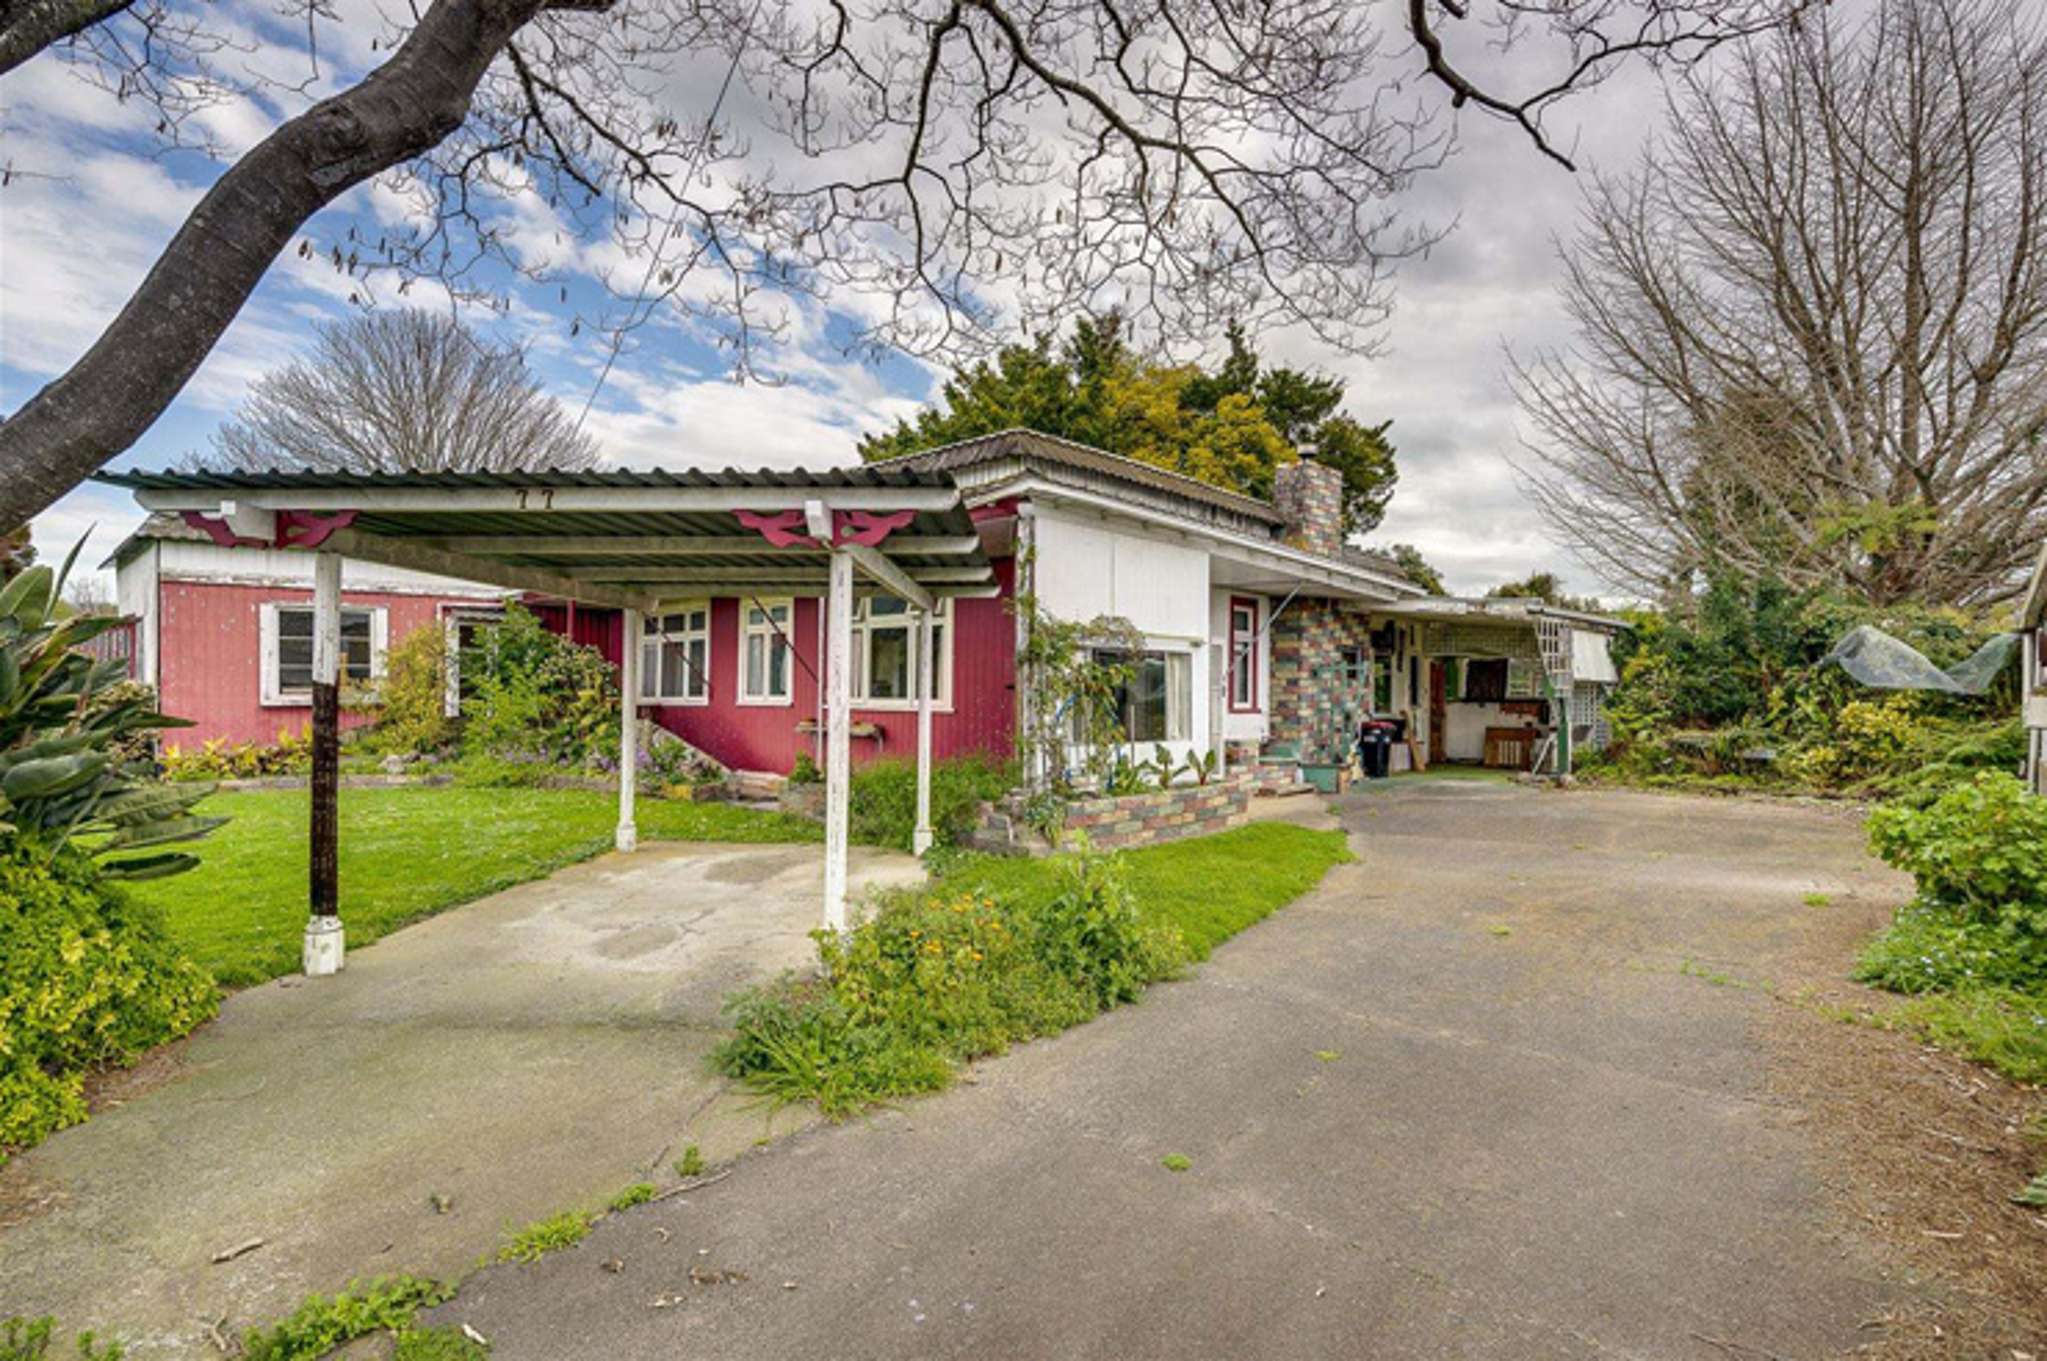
column 142, row 361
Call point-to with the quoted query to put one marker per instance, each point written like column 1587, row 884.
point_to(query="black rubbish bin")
column 1375, row 748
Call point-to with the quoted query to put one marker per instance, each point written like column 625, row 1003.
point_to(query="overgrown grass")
column 884, row 798
column 2001, row 1027
column 1000, row 951
column 406, row 854
column 1208, row 887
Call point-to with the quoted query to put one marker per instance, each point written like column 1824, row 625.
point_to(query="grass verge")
column 406, row 854
column 996, row 952
column 1209, row 888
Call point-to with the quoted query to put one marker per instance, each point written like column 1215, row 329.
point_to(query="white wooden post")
column 628, row 734
column 838, row 746
column 927, row 681
column 324, row 948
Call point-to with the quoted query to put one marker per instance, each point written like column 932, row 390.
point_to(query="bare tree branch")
column 1813, row 325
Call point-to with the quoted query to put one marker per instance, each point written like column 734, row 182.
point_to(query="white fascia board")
column 503, row 500
column 680, row 546
column 1267, row 554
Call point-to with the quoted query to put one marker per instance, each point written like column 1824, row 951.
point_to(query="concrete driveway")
column 534, row 1051
column 1493, row 1092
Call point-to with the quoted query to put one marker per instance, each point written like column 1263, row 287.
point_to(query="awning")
column 1590, row 658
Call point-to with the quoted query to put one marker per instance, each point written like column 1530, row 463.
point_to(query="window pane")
column 756, row 668
column 1147, row 722
column 778, row 669
column 355, row 657
column 674, row 670
column 884, row 606
column 650, row 670
column 695, row 682
column 888, row 663
column 295, row 623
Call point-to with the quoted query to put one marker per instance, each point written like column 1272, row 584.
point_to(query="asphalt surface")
column 1495, row 1091
column 537, row 1049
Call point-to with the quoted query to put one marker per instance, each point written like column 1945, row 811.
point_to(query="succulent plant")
column 64, row 775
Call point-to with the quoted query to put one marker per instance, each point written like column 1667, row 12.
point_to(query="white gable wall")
column 1089, row 566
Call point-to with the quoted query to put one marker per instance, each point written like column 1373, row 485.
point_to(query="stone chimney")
column 1309, row 495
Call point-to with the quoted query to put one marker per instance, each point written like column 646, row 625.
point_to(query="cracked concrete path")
column 536, row 1050
column 1495, row 1091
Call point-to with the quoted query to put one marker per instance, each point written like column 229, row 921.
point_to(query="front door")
column 1439, row 715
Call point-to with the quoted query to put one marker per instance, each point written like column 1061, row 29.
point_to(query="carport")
column 630, row 541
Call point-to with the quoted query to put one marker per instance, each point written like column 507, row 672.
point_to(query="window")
column 764, row 652
column 288, row 651
column 1243, row 655
column 675, row 656
column 1156, row 704
column 468, row 631
column 885, row 653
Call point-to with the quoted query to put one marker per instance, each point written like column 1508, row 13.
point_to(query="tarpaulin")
column 1880, row 661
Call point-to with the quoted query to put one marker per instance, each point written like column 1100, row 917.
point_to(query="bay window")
column 764, row 651
column 675, row 656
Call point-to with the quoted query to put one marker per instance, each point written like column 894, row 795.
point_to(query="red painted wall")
column 764, row 737
column 210, row 656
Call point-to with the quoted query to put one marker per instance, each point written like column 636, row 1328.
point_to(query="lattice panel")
column 1478, row 640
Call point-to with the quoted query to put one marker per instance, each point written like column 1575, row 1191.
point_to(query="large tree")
column 969, row 166
column 1230, row 426
column 1812, row 326
column 405, row 390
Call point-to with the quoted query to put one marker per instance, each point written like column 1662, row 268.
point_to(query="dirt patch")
column 1919, row 1149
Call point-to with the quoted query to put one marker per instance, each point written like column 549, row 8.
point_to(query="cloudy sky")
column 92, row 198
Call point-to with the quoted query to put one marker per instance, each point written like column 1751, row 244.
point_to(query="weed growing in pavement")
column 29, row 1340
column 1176, row 1162
column 442, row 1342
column 543, row 1236
column 639, row 1193
column 690, row 1164
column 325, row 1322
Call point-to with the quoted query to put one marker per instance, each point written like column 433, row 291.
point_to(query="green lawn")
column 1211, row 887
column 405, row 854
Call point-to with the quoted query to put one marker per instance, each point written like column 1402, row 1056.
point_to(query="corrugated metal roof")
column 283, row 479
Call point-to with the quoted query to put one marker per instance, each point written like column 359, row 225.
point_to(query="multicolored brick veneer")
column 1317, row 696
column 1310, row 497
column 1114, row 824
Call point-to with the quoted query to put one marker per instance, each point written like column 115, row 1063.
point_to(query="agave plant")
column 62, row 720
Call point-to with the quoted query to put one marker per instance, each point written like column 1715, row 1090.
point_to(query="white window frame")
column 274, row 695
column 453, row 617
column 658, row 638
column 786, row 635
column 865, row 626
column 1244, row 656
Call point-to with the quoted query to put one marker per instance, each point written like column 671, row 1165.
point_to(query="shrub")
column 410, row 704
column 88, row 977
column 805, row 770
column 1978, row 853
column 67, row 727
column 884, row 798
column 536, row 694
column 937, row 978
column 219, row 759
